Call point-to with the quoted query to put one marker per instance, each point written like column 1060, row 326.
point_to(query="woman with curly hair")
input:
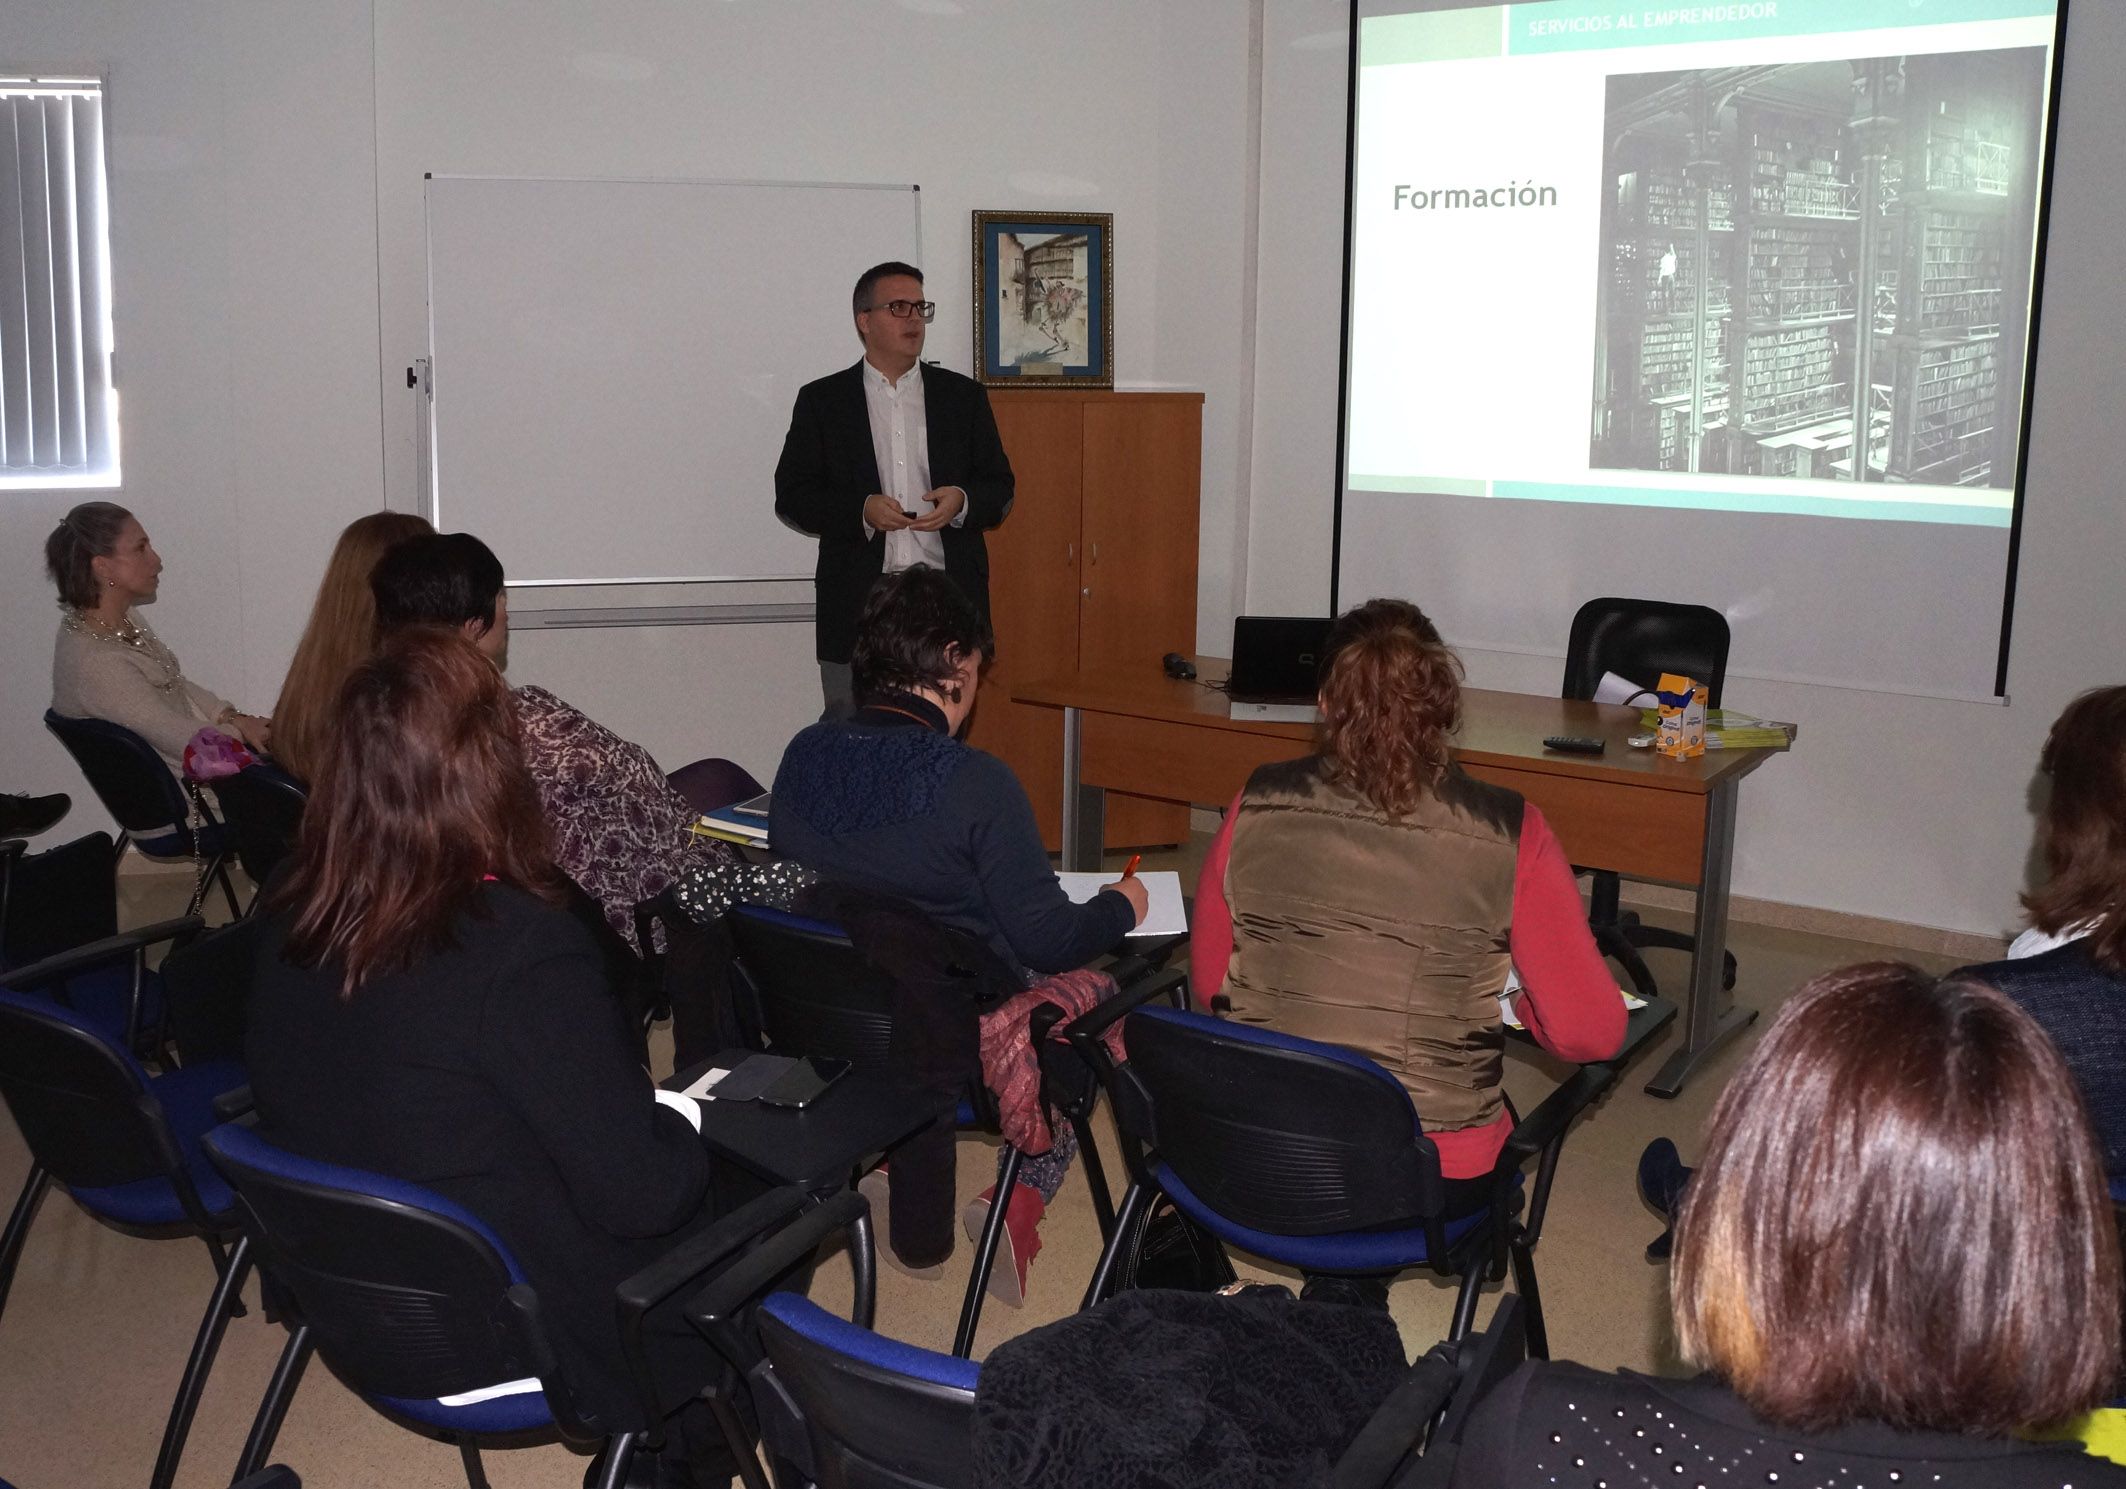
column 1372, row 895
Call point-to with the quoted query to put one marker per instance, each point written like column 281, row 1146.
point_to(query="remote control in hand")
column 1574, row 744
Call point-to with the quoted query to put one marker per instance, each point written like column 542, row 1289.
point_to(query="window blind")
column 58, row 408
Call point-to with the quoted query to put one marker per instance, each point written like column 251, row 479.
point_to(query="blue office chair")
column 143, row 797
column 64, row 900
column 812, row 993
column 411, row 1299
column 126, row 1146
column 1313, row 1156
column 842, row 1407
column 262, row 815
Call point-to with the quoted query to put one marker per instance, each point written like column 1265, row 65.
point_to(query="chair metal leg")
column 985, row 1253
column 863, row 1271
column 221, row 1265
column 1121, row 1246
column 619, row 1457
column 18, row 1227
column 220, row 871
column 273, row 1407
column 475, row 1471
column 1531, row 1301
column 1095, row 1172
column 1465, row 1302
column 221, row 1307
column 1612, row 944
column 740, row 1442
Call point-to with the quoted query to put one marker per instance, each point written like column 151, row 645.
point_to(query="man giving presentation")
column 890, row 464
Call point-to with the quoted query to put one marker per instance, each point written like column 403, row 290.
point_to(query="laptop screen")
column 1278, row 657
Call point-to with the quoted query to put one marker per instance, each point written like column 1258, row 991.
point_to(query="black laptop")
column 1277, row 658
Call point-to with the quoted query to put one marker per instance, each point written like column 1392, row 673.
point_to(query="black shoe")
column 26, row 816
column 1662, row 1178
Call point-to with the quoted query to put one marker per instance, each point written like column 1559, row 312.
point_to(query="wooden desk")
column 1626, row 810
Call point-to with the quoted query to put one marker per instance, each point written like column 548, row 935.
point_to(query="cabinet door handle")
column 1095, row 551
column 1087, row 591
column 1070, row 553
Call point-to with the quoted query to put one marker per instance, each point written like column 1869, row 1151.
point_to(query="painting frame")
column 1036, row 329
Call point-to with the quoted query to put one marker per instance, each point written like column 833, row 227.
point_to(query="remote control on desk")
column 1574, row 744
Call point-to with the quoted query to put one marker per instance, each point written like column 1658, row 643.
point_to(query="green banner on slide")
column 1595, row 25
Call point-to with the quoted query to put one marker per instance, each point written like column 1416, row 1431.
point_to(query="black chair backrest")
column 813, row 993
column 262, row 808
column 128, row 777
column 59, row 899
column 1640, row 640
column 1272, row 1132
column 81, row 1103
column 207, row 990
column 869, row 1426
column 406, row 1295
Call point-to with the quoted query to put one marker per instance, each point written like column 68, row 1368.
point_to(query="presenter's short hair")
column 438, row 579
column 916, row 627
column 860, row 301
column 1901, row 1217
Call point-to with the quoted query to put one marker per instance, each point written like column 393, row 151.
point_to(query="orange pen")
column 1134, row 860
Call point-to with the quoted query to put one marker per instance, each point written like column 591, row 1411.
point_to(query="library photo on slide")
column 1820, row 270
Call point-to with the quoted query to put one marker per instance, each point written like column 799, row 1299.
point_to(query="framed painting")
column 1044, row 309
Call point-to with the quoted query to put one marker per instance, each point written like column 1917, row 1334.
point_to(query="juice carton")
column 1682, row 709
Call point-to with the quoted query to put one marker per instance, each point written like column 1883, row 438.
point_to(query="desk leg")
column 1084, row 807
column 1709, row 1020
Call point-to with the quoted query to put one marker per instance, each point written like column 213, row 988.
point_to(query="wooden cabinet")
column 1095, row 568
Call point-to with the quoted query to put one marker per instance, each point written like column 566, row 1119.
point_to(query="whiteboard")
column 612, row 364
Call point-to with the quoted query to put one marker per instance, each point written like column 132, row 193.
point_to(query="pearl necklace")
column 129, row 632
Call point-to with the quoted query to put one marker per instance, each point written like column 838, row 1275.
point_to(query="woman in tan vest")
column 1373, row 896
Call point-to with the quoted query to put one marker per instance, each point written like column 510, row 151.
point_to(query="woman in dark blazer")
column 424, row 1008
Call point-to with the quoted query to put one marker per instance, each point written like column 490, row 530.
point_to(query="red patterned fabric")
column 1008, row 1066
column 619, row 829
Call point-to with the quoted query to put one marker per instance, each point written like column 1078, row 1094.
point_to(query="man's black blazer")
column 828, row 469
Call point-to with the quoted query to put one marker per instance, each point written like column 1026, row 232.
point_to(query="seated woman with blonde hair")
column 1896, row 1261
column 107, row 663
column 340, row 636
column 1374, row 896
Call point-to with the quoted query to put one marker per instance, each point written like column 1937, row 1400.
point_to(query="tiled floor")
column 96, row 1331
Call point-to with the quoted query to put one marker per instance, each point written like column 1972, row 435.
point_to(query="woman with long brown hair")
column 421, row 1007
column 1896, row 1260
column 1374, row 896
column 2068, row 970
column 341, row 635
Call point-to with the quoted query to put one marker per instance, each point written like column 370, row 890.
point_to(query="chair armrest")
column 1097, row 1020
column 686, row 1262
column 232, row 1106
column 1397, row 1427
column 739, row 1284
column 1549, row 1121
column 96, row 953
column 13, row 848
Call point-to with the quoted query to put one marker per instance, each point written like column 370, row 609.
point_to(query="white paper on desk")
column 1515, row 987
column 1167, row 915
column 686, row 1106
column 702, row 1090
column 1615, row 689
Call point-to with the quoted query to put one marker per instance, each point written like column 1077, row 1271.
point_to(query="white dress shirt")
column 900, row 438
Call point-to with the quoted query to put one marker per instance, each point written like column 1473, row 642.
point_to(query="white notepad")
column 1167, row 915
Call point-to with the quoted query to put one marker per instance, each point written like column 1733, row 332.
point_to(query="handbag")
column 1178, row 1253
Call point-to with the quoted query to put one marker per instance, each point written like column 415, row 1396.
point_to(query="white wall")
column 244, row 267
column 1907, row 808
column 268, row 263
column 266, row 161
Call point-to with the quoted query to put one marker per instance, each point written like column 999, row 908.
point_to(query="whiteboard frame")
column 429, row 477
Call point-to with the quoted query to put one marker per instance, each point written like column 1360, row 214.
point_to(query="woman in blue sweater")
column 891, row 801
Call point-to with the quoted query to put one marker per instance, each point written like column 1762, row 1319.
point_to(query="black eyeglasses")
column 905, row 308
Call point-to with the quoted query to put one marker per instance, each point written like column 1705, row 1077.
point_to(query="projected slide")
column 1768, row 256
